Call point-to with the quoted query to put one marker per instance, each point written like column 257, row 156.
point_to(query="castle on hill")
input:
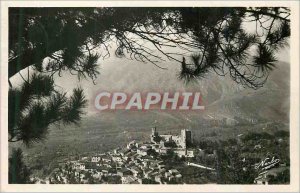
column 180, row 141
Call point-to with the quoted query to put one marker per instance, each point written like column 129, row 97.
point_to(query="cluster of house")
column 137, row 163
column 132, row 164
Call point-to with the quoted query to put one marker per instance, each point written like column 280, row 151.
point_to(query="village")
column 137, row 163
column 170, row 159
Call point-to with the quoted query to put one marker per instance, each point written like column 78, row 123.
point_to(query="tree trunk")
column 28, row 58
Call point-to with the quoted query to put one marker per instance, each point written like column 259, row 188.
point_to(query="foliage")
column 232, row 170
column 37, row 105
column 234, row 160
column 282, row 178
column 148, row 181
column 170, row 144
column 19, row 173
column 282, row 133
column 53, row 40
column 112, row 179
column 257, row 136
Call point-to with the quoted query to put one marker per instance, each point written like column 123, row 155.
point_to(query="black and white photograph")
column 150, row 95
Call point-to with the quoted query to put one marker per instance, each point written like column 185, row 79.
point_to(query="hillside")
column 223, row 99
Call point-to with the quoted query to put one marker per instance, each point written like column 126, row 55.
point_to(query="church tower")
column 154, row 135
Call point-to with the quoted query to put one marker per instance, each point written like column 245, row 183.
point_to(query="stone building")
column 182, row 141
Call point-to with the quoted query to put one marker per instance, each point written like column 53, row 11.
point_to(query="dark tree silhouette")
column 37, row 105
column 56, row 39
column 32, row 109
column 18, row 171
column 231, row 169
column 281, row 178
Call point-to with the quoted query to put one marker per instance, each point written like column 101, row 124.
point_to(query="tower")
column 154, row 135
column 186, row 138
column 154, row 131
